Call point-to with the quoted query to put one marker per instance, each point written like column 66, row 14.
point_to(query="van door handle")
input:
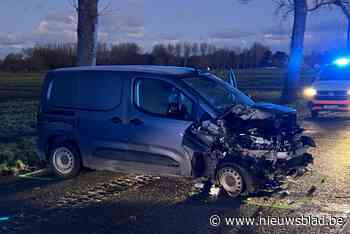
column 136, row 121
column 116, row 120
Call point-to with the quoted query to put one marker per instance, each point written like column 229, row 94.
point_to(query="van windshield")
column 335, row 73
column 219, row 94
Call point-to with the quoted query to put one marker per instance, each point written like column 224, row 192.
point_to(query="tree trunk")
column 87, row 32
column 291, row 81
column 346, row 12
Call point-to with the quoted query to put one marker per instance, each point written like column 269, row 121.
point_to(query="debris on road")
column 199, row 185
column 311, row 191
column 214, row 191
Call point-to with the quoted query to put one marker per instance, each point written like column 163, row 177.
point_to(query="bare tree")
column 203, row 48
column 88, row 14
column 187, row 52
column 300, row 9
column 87, row 32
column 344, row 5
column 291, row 81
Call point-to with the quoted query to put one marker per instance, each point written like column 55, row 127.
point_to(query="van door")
column 102, row 122
column 158, row 116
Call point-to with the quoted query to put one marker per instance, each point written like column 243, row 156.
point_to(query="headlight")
column 349, row 92
column 310, row 92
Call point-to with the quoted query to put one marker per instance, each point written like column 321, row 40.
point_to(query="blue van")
column 165, row 121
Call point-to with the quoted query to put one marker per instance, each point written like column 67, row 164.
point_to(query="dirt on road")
column 106, row 202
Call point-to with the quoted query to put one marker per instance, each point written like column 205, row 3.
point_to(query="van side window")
column 87, row 90
column 100, row 90
column 161, row 98
column 63, row 91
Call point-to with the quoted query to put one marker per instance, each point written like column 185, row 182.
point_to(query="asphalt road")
column 105, row 202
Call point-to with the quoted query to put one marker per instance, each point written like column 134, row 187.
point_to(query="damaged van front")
column 168, row 121
column 247, row 146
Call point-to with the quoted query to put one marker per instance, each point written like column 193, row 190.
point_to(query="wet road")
column 104, row 202
column 332, row 155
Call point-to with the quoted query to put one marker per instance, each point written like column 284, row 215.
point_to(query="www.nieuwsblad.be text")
column 303, row 220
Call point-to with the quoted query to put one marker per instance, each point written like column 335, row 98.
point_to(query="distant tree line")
column 201, row 55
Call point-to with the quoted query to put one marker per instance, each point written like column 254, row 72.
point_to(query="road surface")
column 105, row 202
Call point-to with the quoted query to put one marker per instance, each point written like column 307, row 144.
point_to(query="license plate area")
column 330, row 106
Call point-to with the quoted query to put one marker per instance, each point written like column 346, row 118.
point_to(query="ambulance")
column 330, row 92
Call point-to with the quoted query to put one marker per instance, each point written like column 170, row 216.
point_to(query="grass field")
column 262, row 83
column 20, row 86
column 17, row 135
column 19, row 94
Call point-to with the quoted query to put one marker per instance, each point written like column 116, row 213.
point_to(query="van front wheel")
column 231, row 180
column 65, row 160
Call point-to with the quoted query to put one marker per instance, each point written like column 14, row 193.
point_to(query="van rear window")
column 90, row 90
column 100, row 90
column 63, row 91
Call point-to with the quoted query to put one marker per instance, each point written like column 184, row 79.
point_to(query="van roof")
column 164, row 70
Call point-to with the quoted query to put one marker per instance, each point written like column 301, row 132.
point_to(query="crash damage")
column 263, row 142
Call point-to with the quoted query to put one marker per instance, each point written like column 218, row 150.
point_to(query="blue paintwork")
column 273, row 107
column 109, row 139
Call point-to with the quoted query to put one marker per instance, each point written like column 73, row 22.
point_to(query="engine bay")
column 265, row 140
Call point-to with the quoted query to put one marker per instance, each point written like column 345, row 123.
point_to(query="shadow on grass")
column 12, row 185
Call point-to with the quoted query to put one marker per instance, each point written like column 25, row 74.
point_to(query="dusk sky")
column 224, row 23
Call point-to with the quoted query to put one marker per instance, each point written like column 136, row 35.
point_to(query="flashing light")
column 348, row 92
column 4, row 218
column 341, row 62
column 310, row 92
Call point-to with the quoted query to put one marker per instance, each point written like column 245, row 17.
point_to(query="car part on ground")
column 263, row 143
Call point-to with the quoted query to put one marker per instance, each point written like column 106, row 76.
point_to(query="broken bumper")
column 270, row 173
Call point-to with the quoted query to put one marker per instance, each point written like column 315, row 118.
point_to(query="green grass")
column 266, row 79
column 263, row 84
column 20, row 86
column 17, row 136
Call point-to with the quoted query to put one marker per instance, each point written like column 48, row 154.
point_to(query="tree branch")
column 317, row 4
column 344, row 6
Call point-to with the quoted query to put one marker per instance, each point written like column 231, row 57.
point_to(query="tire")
column 314, row 114
column 231, row 179
column 65, row 160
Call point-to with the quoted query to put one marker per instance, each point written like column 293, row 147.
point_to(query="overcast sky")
column 225, row 23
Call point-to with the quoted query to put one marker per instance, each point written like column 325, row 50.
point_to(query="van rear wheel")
column 65, row 160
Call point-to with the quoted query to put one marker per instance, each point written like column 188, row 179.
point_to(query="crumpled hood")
column 274, row 109
column 259, row 111
column 265, row 116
